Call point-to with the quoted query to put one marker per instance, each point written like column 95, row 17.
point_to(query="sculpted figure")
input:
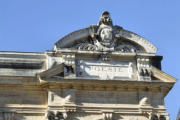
column 105, row 19
column 104, row 36
column 105, row 30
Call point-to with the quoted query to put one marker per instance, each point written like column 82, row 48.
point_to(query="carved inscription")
column 108, row 69
column 105, row 70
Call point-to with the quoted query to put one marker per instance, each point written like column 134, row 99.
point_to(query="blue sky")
column 35, row 25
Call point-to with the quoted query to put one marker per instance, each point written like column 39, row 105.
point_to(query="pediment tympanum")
column 105, row 37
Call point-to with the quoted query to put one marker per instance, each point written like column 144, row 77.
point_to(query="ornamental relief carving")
column 106, row 37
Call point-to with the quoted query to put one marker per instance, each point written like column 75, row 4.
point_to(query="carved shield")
column 106, row 35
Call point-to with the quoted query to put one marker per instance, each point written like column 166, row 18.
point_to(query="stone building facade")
column 102, row 72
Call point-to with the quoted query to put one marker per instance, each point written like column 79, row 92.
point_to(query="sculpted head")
column 105, row 18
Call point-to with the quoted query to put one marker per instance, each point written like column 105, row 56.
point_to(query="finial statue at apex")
column 104, row 37
column 105, row 19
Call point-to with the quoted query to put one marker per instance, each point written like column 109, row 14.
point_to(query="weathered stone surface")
column 102, row 72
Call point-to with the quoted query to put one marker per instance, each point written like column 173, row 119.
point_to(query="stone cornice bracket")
column 69, row 61
column 69, row 104
column 144, row 69
column 107, row 115
column 144, row 106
